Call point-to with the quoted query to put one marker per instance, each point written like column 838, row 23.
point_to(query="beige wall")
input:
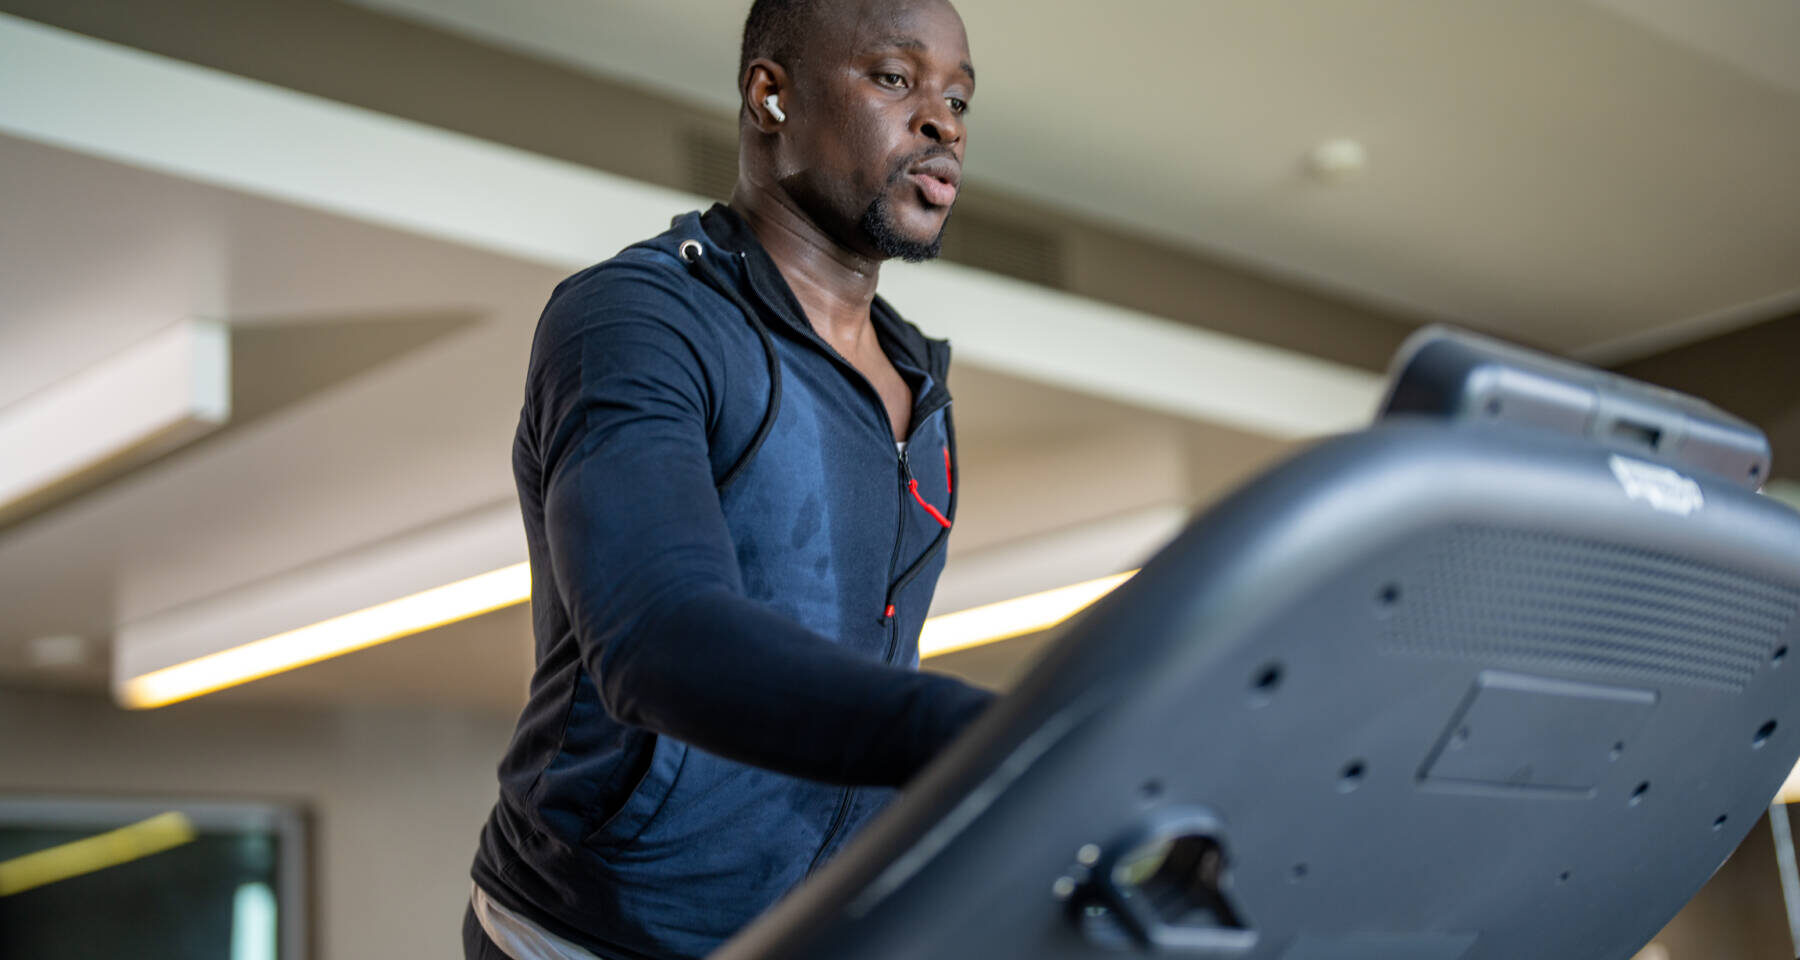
column 1739, row 914
column 396, row 795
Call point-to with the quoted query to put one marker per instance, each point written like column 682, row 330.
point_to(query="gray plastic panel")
column 1527, row 735
column 1440, row 371
column 1428, row 946
column 1288, row 669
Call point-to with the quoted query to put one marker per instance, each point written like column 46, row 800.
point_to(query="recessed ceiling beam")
column 123, row 411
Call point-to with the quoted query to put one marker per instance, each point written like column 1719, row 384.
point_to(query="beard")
column 877, row 223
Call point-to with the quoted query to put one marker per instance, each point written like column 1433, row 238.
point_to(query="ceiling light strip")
column 330, row 638
column 993, row 622
column 511, row 585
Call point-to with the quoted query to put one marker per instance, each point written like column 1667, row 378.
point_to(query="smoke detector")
column 1337, row 160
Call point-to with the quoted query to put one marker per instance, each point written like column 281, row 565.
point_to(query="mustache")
column 908, row 162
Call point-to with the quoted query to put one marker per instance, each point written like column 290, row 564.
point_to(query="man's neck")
column 835, row 286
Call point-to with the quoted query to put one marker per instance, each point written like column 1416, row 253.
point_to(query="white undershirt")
column 518, row 937
column 900, row 447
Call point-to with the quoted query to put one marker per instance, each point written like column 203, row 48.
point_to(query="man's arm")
column 646, row 567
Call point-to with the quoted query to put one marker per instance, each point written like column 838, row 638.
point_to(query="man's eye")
column 891, row 79
column 958, row 104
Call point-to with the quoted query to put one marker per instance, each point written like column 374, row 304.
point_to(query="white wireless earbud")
column 773, row 103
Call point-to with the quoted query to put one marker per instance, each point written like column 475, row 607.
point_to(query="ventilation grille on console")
column 1537, row 598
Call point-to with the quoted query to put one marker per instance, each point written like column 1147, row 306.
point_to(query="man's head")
column 874, row 94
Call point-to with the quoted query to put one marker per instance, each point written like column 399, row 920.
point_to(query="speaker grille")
column 1534, row 598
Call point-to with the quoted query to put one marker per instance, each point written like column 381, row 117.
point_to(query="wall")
column 396, row 795
column 1739, row 914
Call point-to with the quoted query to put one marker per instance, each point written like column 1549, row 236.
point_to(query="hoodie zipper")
column 908, row 491
column 887, row 613
column 920, row 415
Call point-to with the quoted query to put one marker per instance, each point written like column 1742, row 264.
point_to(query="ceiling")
column 1604, row 176
column 379, row 369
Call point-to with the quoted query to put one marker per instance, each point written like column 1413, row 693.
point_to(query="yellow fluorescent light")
column 329, row 638
column 512, row 585
column 161, row 832
column 993, row 622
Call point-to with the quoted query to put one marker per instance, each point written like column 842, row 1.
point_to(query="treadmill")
column 1506, row 675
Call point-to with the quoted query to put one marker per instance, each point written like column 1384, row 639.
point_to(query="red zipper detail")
column 890, row 610
column 913, row 485
column 948, row 487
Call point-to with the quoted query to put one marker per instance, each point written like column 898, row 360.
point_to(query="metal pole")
column 1790, row 874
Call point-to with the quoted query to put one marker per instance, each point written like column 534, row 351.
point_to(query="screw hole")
column 1755, row 470
column 1637, row 795
column 1763, row 733
column 1494, row 406
column 1267, row 680
column 1618, row 750
column 1150, row 789
column 1719, row 822
column 1389, row 595
column 1297, row 873
column 1351, row 776
column 1779, row 655
column 1563, row 877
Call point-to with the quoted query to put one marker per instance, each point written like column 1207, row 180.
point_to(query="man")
column 736, row 466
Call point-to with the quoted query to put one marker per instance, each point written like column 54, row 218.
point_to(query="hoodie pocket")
column 646, row 799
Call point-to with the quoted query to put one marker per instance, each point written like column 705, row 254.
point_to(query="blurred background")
column 269, row 270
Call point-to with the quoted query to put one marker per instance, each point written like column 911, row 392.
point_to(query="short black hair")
column 774, row 31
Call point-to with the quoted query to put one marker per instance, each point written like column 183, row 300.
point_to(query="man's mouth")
column 937, row 180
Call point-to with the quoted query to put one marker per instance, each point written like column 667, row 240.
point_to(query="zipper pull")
column 910, row 484
column 912, row 487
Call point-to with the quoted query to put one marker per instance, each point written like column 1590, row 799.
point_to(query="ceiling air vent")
column 711, row 164
column 1024, row 253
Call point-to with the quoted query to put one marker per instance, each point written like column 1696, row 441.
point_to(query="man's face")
column 878, row 157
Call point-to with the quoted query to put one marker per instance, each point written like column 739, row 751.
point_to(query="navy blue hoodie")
column 730, row 566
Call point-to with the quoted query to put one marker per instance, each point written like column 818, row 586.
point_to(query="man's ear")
column 764, row 79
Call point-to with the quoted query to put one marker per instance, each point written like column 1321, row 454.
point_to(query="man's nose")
column 940, row 124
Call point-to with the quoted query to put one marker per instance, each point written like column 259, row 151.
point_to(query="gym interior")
column 270, row 271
